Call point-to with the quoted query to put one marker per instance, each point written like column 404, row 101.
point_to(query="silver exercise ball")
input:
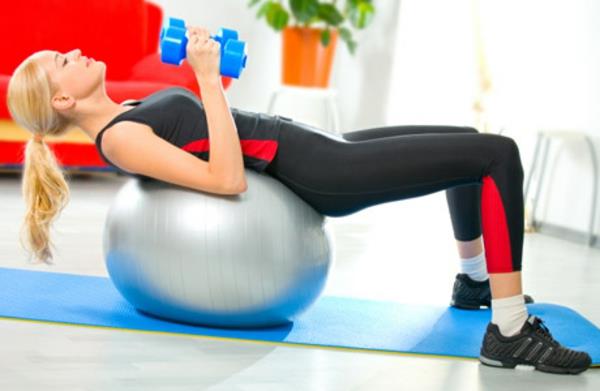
column 251, row 260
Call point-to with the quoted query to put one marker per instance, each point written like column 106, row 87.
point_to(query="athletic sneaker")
column 532, row 346
column 469, row 294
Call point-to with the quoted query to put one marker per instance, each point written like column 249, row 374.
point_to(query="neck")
column 95, row 114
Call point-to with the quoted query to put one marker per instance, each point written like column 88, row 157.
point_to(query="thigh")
column 390, row 131
column 339, row 177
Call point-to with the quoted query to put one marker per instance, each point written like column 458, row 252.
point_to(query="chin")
column 102, row 72
column 101, row 79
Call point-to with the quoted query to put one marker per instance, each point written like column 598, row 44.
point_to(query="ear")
column 63, row 102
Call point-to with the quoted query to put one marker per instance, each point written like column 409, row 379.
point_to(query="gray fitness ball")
column 251, row 260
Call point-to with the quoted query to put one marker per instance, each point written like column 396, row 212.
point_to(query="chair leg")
column 333, row 114
column 532, row 170
column 534, row 161
column 274, row 97
column 594, row 158
column 540, row 183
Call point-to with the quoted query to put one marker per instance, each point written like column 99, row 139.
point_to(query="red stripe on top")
column 496, row 238
column 201, row 145
column 259, row 149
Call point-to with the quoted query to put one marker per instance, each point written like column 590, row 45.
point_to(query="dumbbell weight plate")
column 233, row 58
column 224, row 35
column 173, row 41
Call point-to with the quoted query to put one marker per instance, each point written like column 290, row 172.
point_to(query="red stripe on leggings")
column 496, row 239
column 259, row 149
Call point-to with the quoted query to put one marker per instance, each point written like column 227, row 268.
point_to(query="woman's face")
column 76, row 76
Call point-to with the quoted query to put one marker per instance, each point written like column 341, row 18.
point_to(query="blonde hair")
column 44, row 187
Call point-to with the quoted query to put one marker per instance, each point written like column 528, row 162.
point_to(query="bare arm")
column 154, row 157
column 226, row 159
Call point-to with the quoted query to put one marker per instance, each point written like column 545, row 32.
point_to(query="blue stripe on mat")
column 332, row 321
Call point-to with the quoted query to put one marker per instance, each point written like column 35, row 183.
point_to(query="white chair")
column 541, row 146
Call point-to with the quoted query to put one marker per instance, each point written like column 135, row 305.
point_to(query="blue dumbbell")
column 173, row 43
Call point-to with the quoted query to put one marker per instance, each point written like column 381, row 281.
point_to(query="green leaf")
column 325, row 37
column 330, row 14
column 277, row 16
column 352, row 46
column 304, row 10
column 252, row 3
column 346, row 36
column 350, row 5
column 313, row 20
column 263, row 10
column 355, row 3
column 362, row 15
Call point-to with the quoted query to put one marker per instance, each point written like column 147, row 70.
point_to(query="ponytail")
column 46, row 193
column 45, row 190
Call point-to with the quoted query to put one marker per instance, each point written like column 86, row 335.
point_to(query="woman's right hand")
column 203, row 54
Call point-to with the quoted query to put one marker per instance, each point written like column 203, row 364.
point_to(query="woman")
column 165, row 136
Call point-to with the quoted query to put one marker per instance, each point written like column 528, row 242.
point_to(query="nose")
column 76, row 53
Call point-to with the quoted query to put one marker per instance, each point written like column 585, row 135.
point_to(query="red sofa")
column 122, row 33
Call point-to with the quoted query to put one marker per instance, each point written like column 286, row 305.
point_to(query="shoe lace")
column 542, row 331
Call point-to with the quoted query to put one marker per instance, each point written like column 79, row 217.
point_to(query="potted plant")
column 310, row 30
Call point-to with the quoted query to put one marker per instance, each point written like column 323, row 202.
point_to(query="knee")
column 511, row 147
column 469, row 129
column 508, row 150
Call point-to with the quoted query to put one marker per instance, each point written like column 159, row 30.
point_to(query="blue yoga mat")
column 332, row 321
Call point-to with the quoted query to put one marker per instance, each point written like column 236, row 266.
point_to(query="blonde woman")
column 166, row 136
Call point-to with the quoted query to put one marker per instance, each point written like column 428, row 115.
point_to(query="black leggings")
column 481, row 173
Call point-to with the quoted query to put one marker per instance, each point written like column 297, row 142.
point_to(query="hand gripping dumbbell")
column 173, row 43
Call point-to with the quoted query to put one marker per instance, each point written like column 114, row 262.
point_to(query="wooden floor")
column 399, row 251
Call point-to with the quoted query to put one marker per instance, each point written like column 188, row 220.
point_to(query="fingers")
column 203, row 53
column 199, row 33
column 201, row 37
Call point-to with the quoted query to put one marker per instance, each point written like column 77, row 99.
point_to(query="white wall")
column 544, row 60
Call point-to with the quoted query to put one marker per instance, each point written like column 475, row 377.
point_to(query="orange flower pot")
column 306, row 62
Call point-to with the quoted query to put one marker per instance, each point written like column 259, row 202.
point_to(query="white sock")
column 509, row 314
column 475, row 267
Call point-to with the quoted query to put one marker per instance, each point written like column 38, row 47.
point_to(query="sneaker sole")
column 542, row 368
column 467, row 306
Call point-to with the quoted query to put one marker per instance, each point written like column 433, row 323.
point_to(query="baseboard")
column 566, row 233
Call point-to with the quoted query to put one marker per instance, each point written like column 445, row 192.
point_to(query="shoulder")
column 180, row 94
column 119, row 135
column 175, row 92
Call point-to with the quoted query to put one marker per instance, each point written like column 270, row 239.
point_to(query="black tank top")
column 177, row 115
